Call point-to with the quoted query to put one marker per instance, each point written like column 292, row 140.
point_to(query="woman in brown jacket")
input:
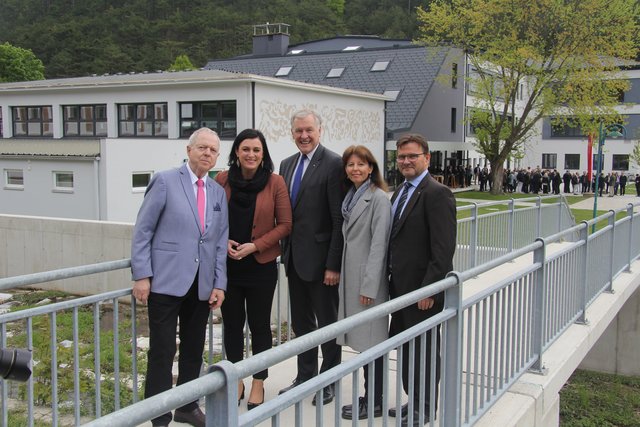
column 259, row 216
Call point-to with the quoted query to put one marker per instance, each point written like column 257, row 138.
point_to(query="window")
column 566, row 130
column 595, row 162
column 32, row 121
column 63, row 181
column 481, row 120
column 453, row 120
column 620, row 162
column 143, row 120
column 85, row 120
column 549, row 161
column 14, row 179
column 454, row 75
column 392, row 94
column 140, row 180
column 284, row 71
column 380, row 66
column 219, row 116
column 335, row 72
column 572, row 161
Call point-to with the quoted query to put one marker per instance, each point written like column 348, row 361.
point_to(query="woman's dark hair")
column 365, row 154
column 267, row 163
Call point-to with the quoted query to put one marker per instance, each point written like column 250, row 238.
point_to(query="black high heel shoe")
column 241, row 395
column 251, row 405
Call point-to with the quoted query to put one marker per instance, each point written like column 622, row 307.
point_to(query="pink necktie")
column 200, row 201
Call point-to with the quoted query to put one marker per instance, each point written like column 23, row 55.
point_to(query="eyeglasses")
column 411, row 157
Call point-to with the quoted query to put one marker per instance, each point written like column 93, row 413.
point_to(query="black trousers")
column 422, row 370
column 377, row 381
column 258, row 300
column 164, row 313
column 313, row 305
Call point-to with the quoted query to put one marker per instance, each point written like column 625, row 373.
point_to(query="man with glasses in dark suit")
column 421, row 248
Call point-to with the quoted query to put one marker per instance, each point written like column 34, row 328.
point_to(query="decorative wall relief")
column 340, row 125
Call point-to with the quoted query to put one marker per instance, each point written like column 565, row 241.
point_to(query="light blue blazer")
column 168, row 245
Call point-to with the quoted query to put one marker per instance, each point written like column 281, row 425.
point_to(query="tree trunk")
column 497, row 173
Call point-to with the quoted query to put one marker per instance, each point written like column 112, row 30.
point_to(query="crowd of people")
column 199, row 244
column 551, row 181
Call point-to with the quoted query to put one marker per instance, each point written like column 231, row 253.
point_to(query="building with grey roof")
column 425, row 85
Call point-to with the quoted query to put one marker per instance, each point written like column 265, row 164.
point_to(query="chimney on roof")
column 270, row 39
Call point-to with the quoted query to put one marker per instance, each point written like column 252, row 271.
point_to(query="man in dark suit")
column 178, row 263
column 312, row 253
column 421, row 247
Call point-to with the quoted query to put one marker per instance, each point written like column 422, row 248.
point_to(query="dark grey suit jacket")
column 422, row 247
column 315, row 242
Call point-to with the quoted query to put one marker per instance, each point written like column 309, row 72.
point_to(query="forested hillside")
column 83, row 37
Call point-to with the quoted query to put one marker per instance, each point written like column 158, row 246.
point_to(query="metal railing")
column 514, row 224
column 489, row 339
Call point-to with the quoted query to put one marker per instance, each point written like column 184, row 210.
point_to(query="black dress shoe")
column 196, row 417
column 416, row 419
column 403, row 410
column 363, row 410
column 293, row 385
column 328, row 394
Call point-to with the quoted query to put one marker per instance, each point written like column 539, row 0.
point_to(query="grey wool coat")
column 364, row 265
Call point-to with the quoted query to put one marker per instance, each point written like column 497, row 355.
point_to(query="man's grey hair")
column 194, row 136
column 301, row 114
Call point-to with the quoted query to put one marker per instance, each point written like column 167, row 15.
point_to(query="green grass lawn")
column 594, row 399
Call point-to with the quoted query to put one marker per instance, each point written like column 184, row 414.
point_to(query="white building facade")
column 86, row 147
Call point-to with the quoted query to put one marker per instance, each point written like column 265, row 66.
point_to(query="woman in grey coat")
column 363, row 281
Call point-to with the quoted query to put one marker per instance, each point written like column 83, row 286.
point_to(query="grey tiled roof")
column 412, row 70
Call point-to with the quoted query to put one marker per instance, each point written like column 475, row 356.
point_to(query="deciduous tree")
column 535, row 58
column 182, row 63
column 18, row 65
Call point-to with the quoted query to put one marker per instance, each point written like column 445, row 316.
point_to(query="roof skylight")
column 335, row 72
column 284, row 71
column 392, row 94
column 380, row 65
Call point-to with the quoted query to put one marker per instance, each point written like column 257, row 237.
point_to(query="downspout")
column 96, row 180
column 253, row 105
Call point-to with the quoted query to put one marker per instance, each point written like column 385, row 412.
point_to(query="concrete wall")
column 617, row 350
column 36, row 244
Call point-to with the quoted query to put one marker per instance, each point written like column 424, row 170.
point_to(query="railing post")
column 452, row 362
column 584, row 235
column 612, row 223
column 473, row 244
column 630, row 248
column 512, row 218
column 538, row 307
column 539, row 222
column 560, row 204
column 221, row 407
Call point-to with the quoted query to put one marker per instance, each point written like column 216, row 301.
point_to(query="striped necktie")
column 401, row 203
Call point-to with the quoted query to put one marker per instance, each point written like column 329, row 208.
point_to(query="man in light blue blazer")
column 178, row 263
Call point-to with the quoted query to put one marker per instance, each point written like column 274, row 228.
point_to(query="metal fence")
column 488, row 339
column 514, row 224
